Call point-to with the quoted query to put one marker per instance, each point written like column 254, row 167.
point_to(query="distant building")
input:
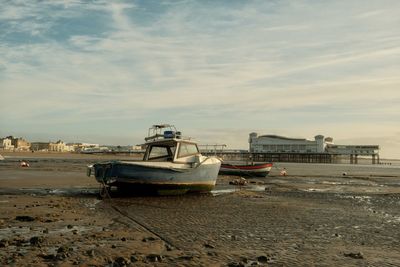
column 136, row 148
column 69, row 148
column 72, row 147
column 40, row 146
column 281, row 144
column 20, row 144
column 58, row 146
column 320, row 147
column 78, row 147
column 6, row 144
column 353, row 149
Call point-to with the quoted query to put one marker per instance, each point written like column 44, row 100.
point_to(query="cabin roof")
column 169, row 141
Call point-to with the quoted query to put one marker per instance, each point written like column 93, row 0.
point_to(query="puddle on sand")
column 69, row 191
column 254, row 188
column 57, row 192
column 316, row 190
column 367, row 200
column 223, row 191
column 360, row 198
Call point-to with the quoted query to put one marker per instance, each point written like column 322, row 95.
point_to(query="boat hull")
column 257, row 170
column 179, row 178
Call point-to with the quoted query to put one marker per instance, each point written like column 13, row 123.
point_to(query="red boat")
column 246, row 170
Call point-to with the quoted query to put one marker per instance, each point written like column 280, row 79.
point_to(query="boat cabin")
column 171, row 148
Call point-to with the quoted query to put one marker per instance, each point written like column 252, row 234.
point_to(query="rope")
column 107, row 194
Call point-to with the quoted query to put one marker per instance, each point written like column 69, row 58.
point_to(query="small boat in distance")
column 246, row 170
column 171, row 164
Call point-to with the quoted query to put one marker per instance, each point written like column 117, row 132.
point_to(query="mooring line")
column 133, row 219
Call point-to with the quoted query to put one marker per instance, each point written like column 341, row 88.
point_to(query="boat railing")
column 164, row 131
column 154, row 137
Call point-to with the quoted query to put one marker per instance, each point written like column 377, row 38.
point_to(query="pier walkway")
column 290, row 157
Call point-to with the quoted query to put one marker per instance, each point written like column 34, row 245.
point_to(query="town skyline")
column 296, row 145
column 104, row 71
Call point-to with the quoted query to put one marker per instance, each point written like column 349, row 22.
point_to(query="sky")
column 105, row 71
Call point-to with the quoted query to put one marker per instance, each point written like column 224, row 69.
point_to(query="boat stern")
column 102, row 172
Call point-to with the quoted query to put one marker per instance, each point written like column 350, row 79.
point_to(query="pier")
column 331, row 158
column 275, row 148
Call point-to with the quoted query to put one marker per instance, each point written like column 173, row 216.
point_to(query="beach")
column 317, row 215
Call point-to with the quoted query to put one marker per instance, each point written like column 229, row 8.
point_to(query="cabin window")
column 158, row 152
column 187, row 150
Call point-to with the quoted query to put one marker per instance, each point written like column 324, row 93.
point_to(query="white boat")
column 171, row 164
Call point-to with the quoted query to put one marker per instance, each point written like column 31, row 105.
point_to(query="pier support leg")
column 373, row 159
column 351, row 158
column 356, row 159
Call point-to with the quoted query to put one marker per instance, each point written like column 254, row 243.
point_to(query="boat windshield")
column 187, row 149
column 161, row 152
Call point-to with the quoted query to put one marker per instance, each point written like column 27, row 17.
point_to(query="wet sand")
column 51, row 215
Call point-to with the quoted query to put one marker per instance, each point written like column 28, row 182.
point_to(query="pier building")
column 275, row 148
column 320, row 149
column 281, row 144
column 355, row 151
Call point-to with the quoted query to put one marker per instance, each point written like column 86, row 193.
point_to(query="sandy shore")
column 50, row 215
